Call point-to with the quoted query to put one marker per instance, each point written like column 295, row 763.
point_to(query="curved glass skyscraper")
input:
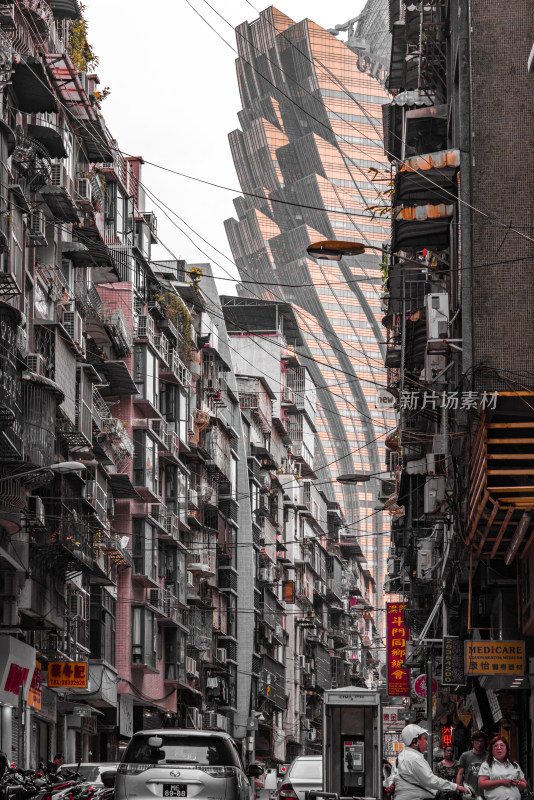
column 310, row 163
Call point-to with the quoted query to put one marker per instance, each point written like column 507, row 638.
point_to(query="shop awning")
column 427, row 186
column 49, row 138
column 32, row 87
column 122, row 487
column 395, row 79
column 418, row 234
column 60, row 204
column 78, row 253
column 65, row 9
column 118, row 376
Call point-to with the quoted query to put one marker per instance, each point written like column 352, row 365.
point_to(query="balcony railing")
column 176, row 367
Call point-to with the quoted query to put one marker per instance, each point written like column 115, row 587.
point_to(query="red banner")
column 396, row 635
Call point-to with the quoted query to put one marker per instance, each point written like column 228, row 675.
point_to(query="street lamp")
column 334, row 250
column 359, row 477
column 62, row 467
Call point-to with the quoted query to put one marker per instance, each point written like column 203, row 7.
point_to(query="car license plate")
column 174, row 790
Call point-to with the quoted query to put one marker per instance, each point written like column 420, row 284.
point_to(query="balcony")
column 87, row 123
column 254, row 396
column 174, row 366
column 117, row 329
column 69, row 549
column 171, row 450
column 217, row 444
column 501, row 487
column 201, row 562
column 164, row 604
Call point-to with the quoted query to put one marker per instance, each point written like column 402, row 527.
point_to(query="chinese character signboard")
column 34, row 695
column 453, row 662
column 446, row 735
column 494, row 658
column 17, row 665
column 392, row 745
column 396, row 635
column 391, row 719
column 67, row 674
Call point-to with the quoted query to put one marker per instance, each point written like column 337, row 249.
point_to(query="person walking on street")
column 54, row 765
column 447, row 768
column 499, row 777
column 414, row 779
column 470, row 762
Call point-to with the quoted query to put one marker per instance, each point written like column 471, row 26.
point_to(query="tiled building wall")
column 502, row 188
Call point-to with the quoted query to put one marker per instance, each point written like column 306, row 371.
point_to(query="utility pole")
column 430, row 750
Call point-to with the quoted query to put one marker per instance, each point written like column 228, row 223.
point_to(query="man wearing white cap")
column 414, row 779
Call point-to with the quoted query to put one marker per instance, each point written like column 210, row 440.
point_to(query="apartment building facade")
column 157, row 491
column 458, row 372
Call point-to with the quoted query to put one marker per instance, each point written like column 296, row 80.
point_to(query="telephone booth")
column 352, row 751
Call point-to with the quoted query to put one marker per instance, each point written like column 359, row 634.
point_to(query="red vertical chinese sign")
column 396, row 635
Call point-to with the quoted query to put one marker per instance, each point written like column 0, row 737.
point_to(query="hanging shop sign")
column 35, row 692
column 446, row 735
column 453, row 673
column 396, row 636
column 495, row 658
column 17, row 665
column 419, row 686
column 392, row 744
column 411, row 401
column 391, row 718
column 67, row 674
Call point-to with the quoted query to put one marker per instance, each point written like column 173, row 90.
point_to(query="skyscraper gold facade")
column 310, row 162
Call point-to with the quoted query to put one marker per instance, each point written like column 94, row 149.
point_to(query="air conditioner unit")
column 36, row 363
column 191, row 667
column 305, row 724
column 302, row 661
column 37, row 227
column 437, row 319
column 83, row 189
column 279, row 631
column 434, row 495
column 193, row 718
column 154, row 597
column 36, row 509
column 435, row 366
column 77, row 606
column 394, row 565
column 60, row 177
column 8, row 613
column 311, row 735
column 73, row 324
column 221, row 655
column 307, row 669
column 262, row 574
column 425, row 561
column 8, row 584
column 210, row 720
column 82, row 77
column 190, row 579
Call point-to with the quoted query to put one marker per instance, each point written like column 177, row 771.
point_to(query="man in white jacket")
column 412, row 775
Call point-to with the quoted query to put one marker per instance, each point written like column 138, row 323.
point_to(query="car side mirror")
column 255, row 770
column 108, row 778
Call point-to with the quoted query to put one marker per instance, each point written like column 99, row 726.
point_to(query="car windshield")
column 89, row 772
column 307, row 769
column 195, row 750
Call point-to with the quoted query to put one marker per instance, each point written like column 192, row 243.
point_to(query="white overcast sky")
column 174, row 99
